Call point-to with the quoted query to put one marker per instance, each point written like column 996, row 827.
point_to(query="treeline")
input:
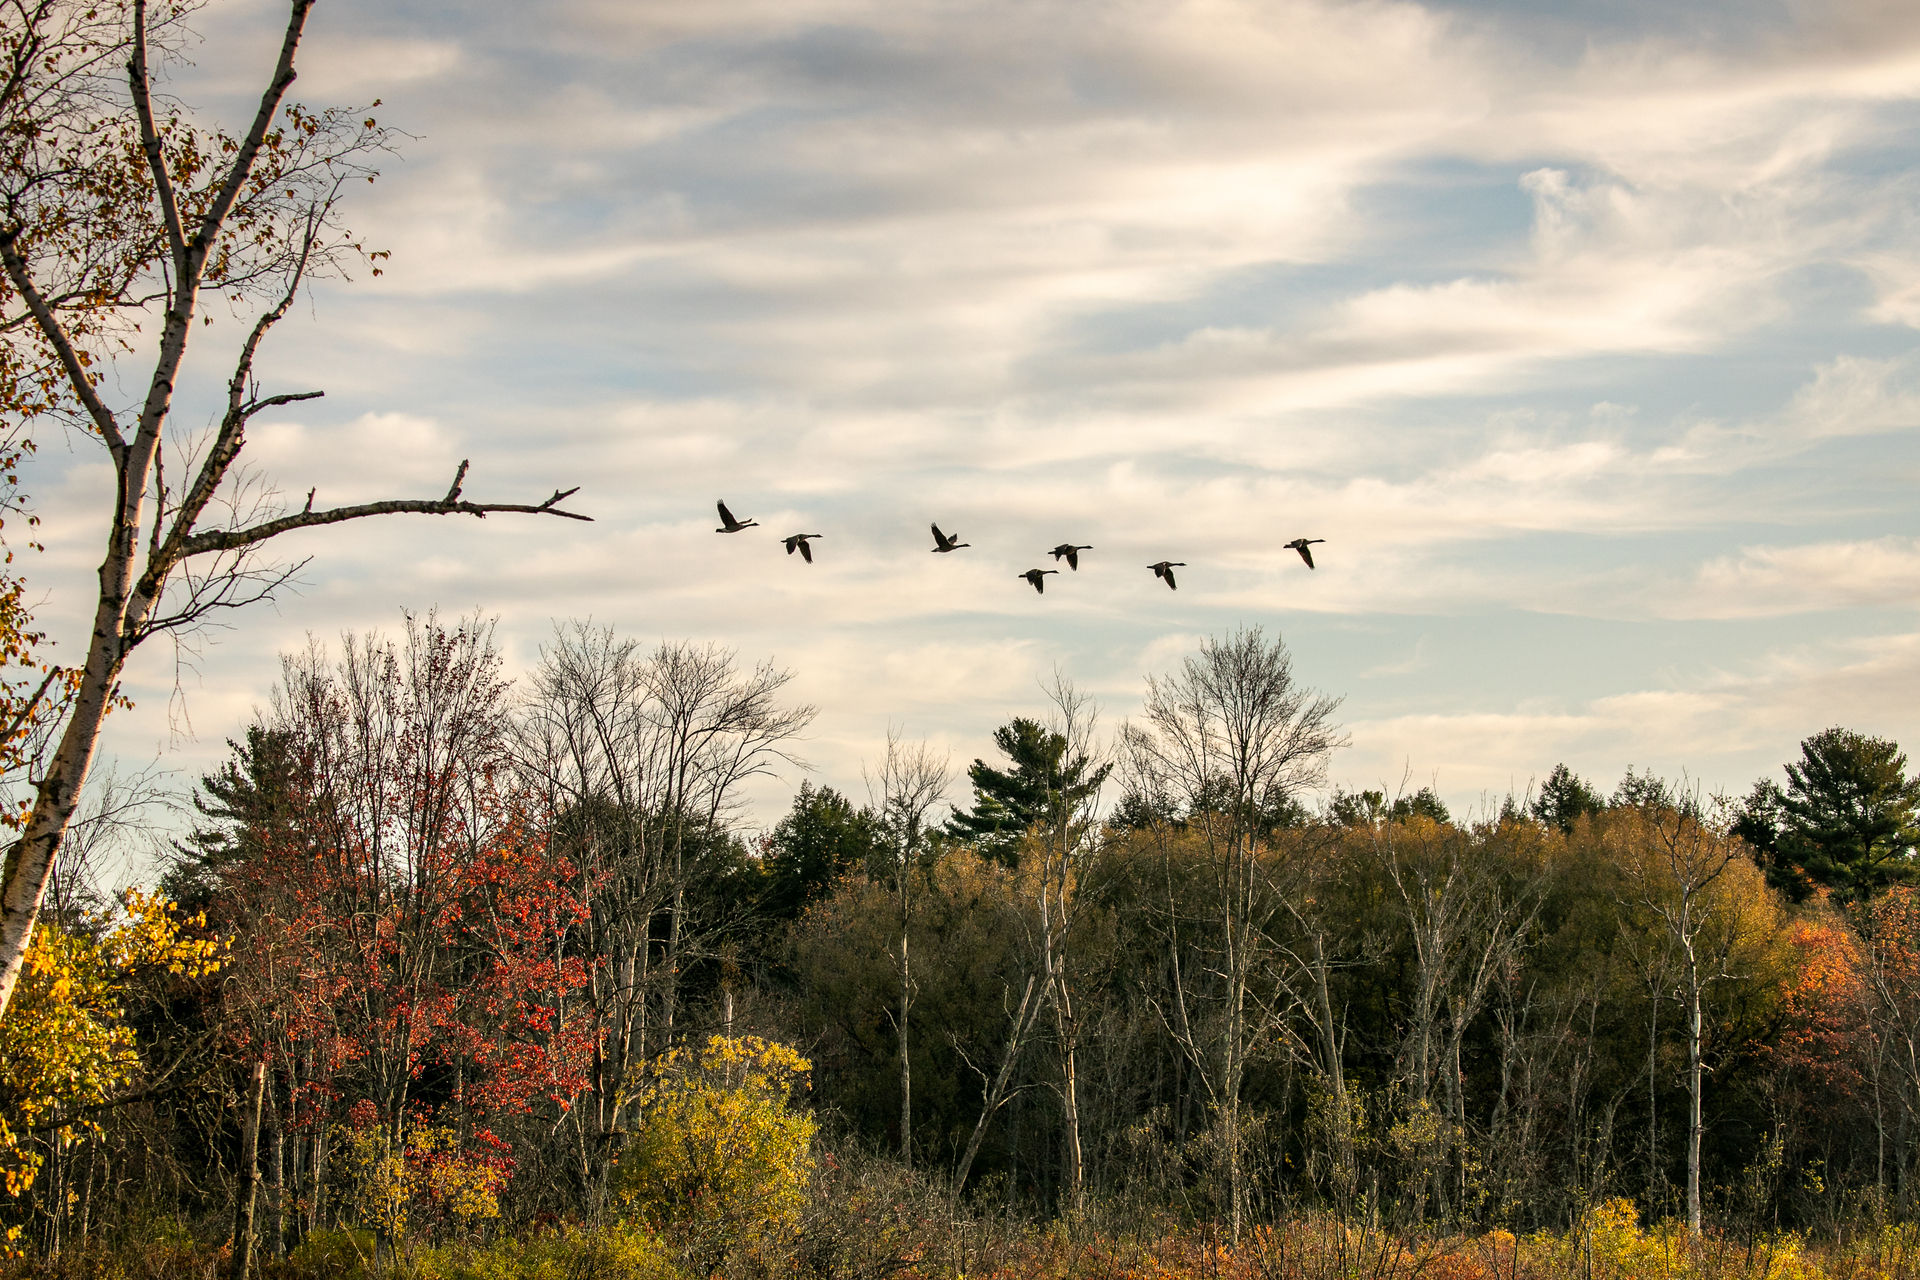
column 433, row 921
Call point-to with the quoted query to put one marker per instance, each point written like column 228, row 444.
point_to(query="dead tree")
column 639, row 757
column 1675, row 860
column 1231, row 739
column 261, row 226
column 912, row 779
column 1052, row 865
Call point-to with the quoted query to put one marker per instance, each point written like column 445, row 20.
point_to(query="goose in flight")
column 1038, row 577
column 798, row 542
column 1070, row 553
column 728, row 524
column 942, row 542
column 1301, row 545
column 1165, row 570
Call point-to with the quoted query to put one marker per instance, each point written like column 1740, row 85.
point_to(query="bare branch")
column 255, row 406
column 27, row 708
column 233, row 587
column 453, row 493
column 242, row 166
column 231, row 539
column 142, row 84
column 232, row 437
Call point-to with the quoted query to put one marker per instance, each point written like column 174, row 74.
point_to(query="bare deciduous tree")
column 1675, row 859
column 1230, row 740
column 1052, row 867
column 254, row 217
column 1468, row 918
column 639, row 757
column 911, row 779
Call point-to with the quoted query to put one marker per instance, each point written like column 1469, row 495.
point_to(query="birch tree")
column 639, row 756
column 1052, row 867
column 910, row 781
column 252, row 218
column 1229, row 740
column 1676, row 860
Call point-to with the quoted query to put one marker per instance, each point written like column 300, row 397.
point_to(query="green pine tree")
column 822, row 838
column 1565, row 798
column 1847, row 819
column 1008, row 801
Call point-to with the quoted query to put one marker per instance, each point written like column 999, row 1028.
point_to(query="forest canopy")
column 479, row 929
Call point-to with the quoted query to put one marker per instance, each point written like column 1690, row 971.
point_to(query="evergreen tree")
column 1140, row 812
column 1847, row 818
column 821, row 839
column 1366, row 808
column 1357, row 808
column 1759, row 821
column 1007, row 802
column 255, row 796
column 1646, row 791
column 1424, row 803
column 1565, row 798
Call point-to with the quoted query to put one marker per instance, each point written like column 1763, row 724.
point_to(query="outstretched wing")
column 1171, row 584
column 806, row 552
column 1306, row 553
column 726, row 516
column 938, row 536
column 1073, row 560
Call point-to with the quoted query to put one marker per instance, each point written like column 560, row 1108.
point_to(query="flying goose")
column 1070, row 553
column 1301, row 545
column 1038, row 577
column 798, row 542
column 729, row 524
column 1165, row 570
column 941, row 542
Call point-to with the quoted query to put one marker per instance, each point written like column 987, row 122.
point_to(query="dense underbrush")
column 880, row 1223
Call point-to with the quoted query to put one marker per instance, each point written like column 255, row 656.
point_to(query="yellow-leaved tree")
column 65, row 1048
column 722, row 1143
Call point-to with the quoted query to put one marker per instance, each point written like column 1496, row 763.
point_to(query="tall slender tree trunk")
column 1234, row 1041
column 243, row 1208
column 1054, row 967
column 1340, row 1122
column 1070, row 1096
column 1695, row 1083
column 1023, row 1020
column 1654, row 1180
column 277, row 1181
column 906, row 1064
column 317, row 1216
column 670, row 964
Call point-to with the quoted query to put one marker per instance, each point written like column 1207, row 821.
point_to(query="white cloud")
column 1771, row 581
column 1721, row 732
column 1182, row 279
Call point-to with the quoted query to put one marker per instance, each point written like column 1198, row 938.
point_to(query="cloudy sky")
column 1586, row 336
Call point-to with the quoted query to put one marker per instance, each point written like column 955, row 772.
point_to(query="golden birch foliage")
column 377, row 1175
column 432, row 1175
column 64, row 1044
column 721, row 1143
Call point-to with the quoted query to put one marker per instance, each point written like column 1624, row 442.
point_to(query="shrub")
column 721, row 1146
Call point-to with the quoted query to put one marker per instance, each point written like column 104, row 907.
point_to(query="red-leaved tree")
column 401, row 929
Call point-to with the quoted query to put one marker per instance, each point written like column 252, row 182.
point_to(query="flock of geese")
column 945, row 542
